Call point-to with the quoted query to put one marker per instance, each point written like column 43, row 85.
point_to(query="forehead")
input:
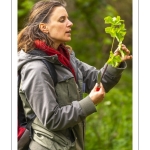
column 58, row 12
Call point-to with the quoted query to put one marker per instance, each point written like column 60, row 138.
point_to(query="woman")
column 60, row 110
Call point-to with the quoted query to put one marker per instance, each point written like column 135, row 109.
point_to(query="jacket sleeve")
column 112, row 75
column 39, row 90
column 110, row 78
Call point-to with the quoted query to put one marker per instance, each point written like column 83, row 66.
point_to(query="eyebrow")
column 64, row 16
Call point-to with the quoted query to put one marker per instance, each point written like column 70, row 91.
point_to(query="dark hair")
column 39, row 14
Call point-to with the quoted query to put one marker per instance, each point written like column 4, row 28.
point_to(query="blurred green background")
column 111, row 127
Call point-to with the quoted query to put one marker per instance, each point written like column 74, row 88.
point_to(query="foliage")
column 24, row 6
column 117, row 31
column 111, row 127
column 88, row 32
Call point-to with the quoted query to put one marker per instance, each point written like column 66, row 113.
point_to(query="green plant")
column 110, row 128
column 117, row 31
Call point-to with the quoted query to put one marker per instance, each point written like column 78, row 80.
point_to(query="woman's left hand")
column 127, row 55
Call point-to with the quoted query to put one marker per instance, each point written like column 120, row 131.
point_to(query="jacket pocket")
column 53, row 142
column 67, row 91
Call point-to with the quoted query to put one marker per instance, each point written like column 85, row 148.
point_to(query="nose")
column 69, row 24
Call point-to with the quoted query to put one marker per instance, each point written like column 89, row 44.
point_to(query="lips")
column 69, row 31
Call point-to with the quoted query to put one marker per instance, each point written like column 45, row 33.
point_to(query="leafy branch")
column 117, row 31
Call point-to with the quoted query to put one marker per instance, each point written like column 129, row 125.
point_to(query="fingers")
column 127, row 58
column 116, row 52
column 96, row 87
column 102, row 90
column 126, row 52
column 97, row 96
column 123, row 47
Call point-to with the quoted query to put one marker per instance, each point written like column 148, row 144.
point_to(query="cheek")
column 56, row 32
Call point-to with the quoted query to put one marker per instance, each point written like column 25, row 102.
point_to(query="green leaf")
column 111, row 31
column 116, row 30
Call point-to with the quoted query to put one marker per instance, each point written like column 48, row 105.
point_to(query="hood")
column 24, row 58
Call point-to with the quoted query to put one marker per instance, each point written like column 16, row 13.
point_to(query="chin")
column 67, row 40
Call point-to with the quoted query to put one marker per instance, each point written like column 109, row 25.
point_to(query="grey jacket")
column 60, row 111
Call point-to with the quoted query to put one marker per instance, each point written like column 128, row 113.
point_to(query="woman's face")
column 59, row 26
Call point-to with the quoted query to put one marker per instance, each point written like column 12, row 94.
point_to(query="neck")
column 55, row 45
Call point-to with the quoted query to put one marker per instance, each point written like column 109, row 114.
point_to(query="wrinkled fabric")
column 61, row 110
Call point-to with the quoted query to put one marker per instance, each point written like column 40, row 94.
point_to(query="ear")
column 43, row 27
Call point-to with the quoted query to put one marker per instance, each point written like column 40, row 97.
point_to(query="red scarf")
column 62, row 53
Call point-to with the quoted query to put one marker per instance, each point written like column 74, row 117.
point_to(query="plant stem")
column 107, row 64
column 112, row 43
column 104, row 71
column 119, row 45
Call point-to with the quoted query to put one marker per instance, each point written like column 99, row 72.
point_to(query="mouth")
column 69, row 31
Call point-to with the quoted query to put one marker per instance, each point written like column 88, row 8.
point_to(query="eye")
column 62, row 19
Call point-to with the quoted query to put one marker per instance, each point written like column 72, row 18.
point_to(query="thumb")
column 96, row 87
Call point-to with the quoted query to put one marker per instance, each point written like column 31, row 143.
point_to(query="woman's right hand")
column 97, row 96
